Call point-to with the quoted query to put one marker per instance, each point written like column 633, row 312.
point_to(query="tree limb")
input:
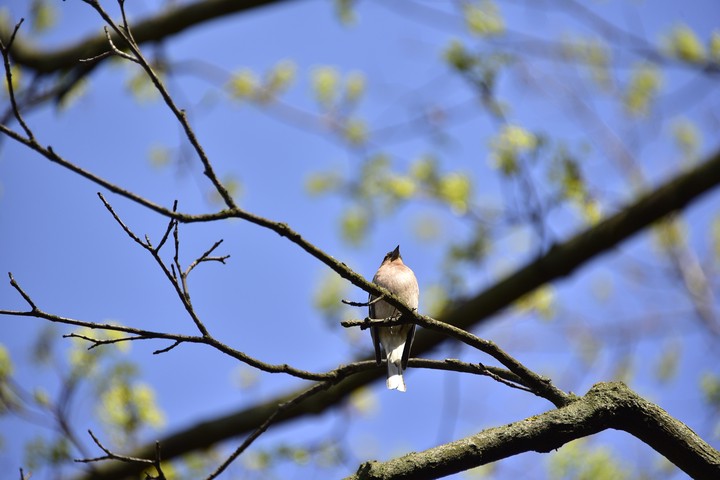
column 153, row 29
column 606, row 405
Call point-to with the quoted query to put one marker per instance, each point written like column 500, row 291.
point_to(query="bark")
column 606, row 405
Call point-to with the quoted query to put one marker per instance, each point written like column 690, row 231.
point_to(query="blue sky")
column 68, row 253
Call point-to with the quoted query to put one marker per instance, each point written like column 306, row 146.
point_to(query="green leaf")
column 458, row 57
column 243, row 84
column 645, row 83
column 325, row 81
column 354, row 86
column 279, row 78
column 455, row 189
column 328, row 293
column 401, row 187
column 6, row 366
column 42, row 15
column 159, row 156
column 511, row 142
column 354, row 225
column 541, row 300
column 682, row 43
column 687, row 137
column 355, row 131
column 483, row 18
column 322, row 182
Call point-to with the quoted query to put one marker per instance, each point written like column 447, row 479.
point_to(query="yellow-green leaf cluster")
column 455, row 188
column 6, row 366
column 483, row 18
column 354, row 225
column 245, row 84
column 458, row 57
column 42, row 15
column 593, row 52
column 683, row 44
column 328, row 293
column 669, row 234
column 355, row 83
column 159, row 156
column 329, row 86
column 645, row 83
column 364, row 401
column 318, row 183
column 325, row 84
column 541, row 300
column 141, row 87
column 578, row 460
column 687, row 137
column 355, row 131
column 129, row 406
column 84, row 361
column 15, row 78
column 506, row 147
column 574, row 188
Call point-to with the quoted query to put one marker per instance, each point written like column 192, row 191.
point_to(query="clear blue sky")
column 68, row 253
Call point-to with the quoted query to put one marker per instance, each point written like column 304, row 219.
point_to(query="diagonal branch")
column 605, row 406
column 152, row 29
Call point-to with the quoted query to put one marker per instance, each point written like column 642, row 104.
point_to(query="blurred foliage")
column 246, row 85
column 364, row 401
column 688, row 138
column 6, row 366
column 666, row 368
column 510, row 143
column 43, row 15
column 580, row 460
column 592, row 52
column 540, row 301
column 43, row 452
column 328, row 292
column 644, row 85
column 483, row 18
column 345, row 11
column 683, row 43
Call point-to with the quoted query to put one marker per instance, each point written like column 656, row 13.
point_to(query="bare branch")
column 5, row 50
column 25, row 296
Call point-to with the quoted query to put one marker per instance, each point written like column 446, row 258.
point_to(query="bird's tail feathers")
column 395, row 379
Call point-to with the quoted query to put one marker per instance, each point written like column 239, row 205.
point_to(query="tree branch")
column 606, row 405
column 153, row 29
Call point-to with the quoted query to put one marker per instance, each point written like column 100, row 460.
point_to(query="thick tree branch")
column 606, row 405
column 560, row 261
column 153, row 29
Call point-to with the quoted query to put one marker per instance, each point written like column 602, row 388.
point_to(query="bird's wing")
column 374, row 333
column 408, row 346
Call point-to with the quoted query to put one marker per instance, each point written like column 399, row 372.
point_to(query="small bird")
column 397, row 340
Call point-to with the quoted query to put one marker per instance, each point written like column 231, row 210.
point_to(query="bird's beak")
column 395, row 253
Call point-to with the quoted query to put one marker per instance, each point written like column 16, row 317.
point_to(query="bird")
column 396, row 340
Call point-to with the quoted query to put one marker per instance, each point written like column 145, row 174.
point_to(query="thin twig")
column 5, row 49
column 25, row 296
